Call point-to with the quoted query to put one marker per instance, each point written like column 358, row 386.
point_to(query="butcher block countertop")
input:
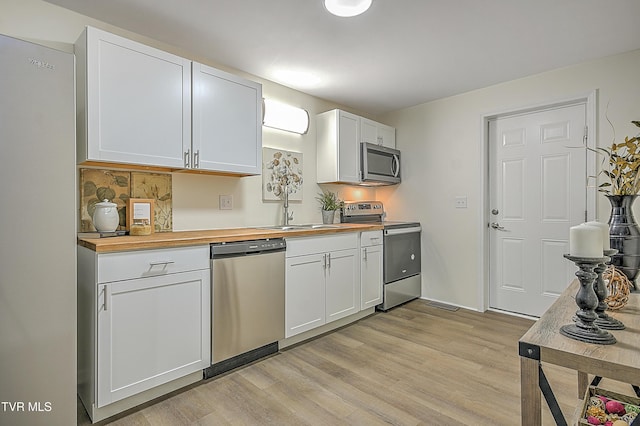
column 192, row 238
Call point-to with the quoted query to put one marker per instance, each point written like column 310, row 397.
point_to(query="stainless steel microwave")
column 379, row 165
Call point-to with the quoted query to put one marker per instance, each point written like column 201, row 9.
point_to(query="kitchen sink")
column 282, row 227
column 298, row 227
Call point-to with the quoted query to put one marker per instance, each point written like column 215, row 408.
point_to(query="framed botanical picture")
column 140, row 210
column 97, row 185
column 157, row 186
column 281, row 170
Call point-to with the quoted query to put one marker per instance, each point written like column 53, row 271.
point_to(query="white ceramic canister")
column 105, row 217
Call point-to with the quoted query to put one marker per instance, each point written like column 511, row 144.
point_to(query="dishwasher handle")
column 247, row 248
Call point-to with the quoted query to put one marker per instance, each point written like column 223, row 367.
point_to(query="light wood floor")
column 414, row 365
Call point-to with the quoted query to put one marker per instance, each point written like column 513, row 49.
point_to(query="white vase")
column 105, row 217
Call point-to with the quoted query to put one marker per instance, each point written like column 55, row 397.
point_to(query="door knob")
column 497, row 226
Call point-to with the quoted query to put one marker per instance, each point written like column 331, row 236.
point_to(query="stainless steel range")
column 401, row 251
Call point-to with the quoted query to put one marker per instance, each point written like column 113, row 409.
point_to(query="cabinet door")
column 304, row 293
column 377, row 133
column 151, row 331
column 371, row 276
column 138, row 102
column 387, row 136
column 342, row 284
column 369, row 131
column 227, row 122
column 338, row 147
column 348, row 148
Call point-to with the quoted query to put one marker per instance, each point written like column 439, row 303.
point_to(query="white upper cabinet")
column 338, row 147
column 227, row 122
column 387, row 135
column 143, row 106
column 339, row 135
column 135, row 100
column 377, row 133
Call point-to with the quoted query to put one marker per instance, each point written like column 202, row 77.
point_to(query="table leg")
column 583, row 383
column 530, row 398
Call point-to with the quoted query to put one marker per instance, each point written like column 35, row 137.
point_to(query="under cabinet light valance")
column 281, row 116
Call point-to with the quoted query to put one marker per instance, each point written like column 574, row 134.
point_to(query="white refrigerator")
column 37, row 235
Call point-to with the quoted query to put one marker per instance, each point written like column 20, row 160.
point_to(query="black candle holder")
column 604, row 321
column 584, row 328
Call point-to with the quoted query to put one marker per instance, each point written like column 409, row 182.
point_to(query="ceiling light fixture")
column 347, row 8
column 285, row 117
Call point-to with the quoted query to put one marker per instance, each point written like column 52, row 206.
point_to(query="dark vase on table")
column 624, row 235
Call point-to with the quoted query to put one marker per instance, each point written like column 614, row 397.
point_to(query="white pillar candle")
column 604, row 228
column 585, row 241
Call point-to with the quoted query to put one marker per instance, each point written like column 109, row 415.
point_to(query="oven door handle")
column 399, row 231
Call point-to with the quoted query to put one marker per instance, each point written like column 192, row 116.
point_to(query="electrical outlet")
column 226, row 202
column 461, row 202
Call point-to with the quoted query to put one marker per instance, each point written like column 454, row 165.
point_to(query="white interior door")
column 537, row 192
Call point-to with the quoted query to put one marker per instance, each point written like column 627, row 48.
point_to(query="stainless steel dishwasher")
column 247, row 306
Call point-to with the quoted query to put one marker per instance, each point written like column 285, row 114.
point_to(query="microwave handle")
column 395, row 167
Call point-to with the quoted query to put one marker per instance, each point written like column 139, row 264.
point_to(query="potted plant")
column 622, row 167
column 329, row 203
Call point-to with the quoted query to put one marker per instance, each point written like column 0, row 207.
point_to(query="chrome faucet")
column 287, row 216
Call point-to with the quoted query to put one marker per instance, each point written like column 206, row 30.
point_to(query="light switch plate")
column 226, row 202
column 461, row 202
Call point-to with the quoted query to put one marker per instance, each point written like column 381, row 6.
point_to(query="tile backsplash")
column 118, row 186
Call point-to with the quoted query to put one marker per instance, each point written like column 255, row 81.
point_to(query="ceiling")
column 399, row 53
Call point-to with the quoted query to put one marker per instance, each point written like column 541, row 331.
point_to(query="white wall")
column 441, row 144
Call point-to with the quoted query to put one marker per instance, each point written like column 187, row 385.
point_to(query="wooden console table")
column 543, row 343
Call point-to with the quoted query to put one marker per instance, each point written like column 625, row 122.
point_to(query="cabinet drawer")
column 370, row 238
column 148, row 263
column 321, row 244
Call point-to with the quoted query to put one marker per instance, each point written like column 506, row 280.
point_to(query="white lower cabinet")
column 322, row 281
column 342, row 284
column 305, row 293
column 150, row 331
column 371, row 269
column 144, row 321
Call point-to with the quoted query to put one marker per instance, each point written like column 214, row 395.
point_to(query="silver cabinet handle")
column 105, row 295
column 329, row 260
column 187, row 158
column 196, row 159
column 324, row 261
column 161, row 262
column 364, row 253
column 497, row 226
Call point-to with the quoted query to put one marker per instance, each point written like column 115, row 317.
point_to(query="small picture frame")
column 140, row 209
